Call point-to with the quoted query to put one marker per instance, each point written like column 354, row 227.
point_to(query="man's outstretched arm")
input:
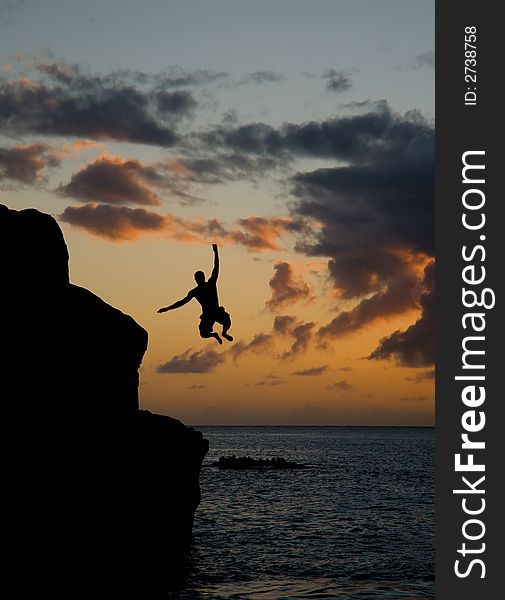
column 215, row 271
column 177, row 304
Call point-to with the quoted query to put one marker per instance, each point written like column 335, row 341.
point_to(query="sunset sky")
column 298, row 136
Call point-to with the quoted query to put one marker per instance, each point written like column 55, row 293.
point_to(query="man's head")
column 200, row 277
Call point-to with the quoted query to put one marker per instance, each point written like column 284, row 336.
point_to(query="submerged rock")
column 246, row 462
column 98, row 492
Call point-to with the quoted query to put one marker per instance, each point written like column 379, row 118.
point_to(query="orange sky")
column 256, row 387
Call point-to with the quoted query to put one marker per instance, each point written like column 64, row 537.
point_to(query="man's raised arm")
column 215, row 270
column 177, row 304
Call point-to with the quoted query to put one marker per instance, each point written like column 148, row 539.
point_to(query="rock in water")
column 239, row 463
column 98, row 495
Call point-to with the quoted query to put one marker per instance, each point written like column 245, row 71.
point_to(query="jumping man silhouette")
column 206, row 294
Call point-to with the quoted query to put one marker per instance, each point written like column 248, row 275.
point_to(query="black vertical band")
column 468, row 121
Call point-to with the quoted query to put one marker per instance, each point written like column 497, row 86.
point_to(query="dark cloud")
column 301, row 334
column 370, row 105
column 343, row 386
column 296, row 331
column 428, row 375
column 424, row 60
column 373, row 138
column 398, row 296
column 260, row 344
column 284, row 324
column 337, row 81
column 312, row 372
column 259, row 77
column 255, row 138
column 286, row 288
column 174, row 103
column 225, row 167
column 375, row 213
column 111, row 180
column 25, row 165
column 66, row 101
column 201, row 361
column 414, row 347
column 171, row 78
column 113, row 222
column 59, row 72
column 197, row 387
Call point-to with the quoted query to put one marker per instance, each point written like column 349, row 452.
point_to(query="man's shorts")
column 207, row 319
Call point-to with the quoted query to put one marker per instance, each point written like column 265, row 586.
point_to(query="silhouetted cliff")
column 99, row 493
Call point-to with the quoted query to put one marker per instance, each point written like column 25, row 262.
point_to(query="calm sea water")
column 359, row 524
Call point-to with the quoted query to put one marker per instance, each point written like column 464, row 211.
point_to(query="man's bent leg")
column 205, row 329
column 226, row 323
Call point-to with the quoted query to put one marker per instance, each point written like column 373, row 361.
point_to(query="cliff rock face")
column 99, row 493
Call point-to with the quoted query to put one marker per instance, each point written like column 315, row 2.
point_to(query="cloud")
column 260, row 344
column 173, row 103
column 64, row 100
column 197, row 387
column 112, row 180
column 362, row 139
column 428, row 375
column 26, row 165
column 70, row 148
column 177, row 77
column 370, row 105
column 201, row 361
column 337, row 81
column 300, row 332
column 398, row 296
column 263, row 233
column 284, row 324
column 424, row 60
column 343, row 386
column 414, row 347
column 255, row 139
column 116, row 223
column 271, row 380
column 216, row 167
column 173, row 77
column 312, row 372
column 259, row 77
column 286, row 288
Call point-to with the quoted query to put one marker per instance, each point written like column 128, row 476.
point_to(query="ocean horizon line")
column 320, row 426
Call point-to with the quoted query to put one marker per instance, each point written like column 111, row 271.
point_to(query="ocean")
column 358, row 524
